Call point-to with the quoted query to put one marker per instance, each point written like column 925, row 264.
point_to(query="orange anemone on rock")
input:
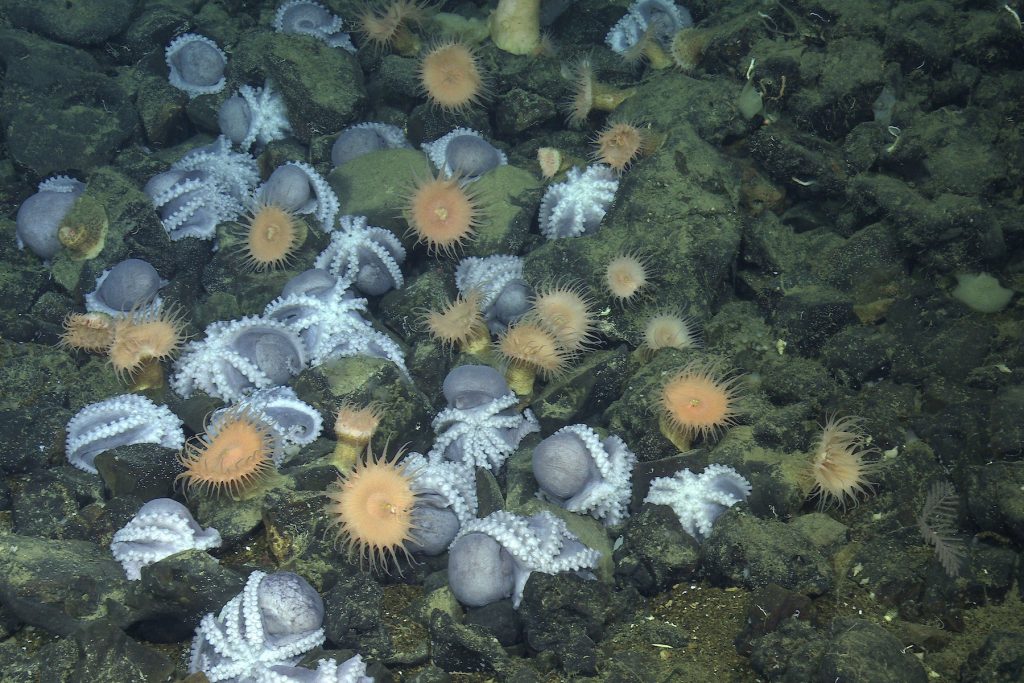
column 697, row 401
column 372, row 506
column 232, row 456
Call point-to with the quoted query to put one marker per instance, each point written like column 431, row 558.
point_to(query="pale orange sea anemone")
column 141, row 337
column 669, row 331
column 232, row 456
column 389, row 24
column 698, row 401
column 619, row 144
column 588, row 93
column 837, row 472
column 529, row 349
column 87, row 332
column 354, row 426
column 567, row 313
column 270, row 237
column 627, row 275
column 372, row 506
column 451, row 77
column 442, row 214
column 460, row 324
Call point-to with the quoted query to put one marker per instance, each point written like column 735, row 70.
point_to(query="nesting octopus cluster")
column 389, row 506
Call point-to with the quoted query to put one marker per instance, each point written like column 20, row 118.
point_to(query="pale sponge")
column 981, row 292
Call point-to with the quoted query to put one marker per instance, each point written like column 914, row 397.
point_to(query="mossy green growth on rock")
column 112, row 198
column 322, row 86
column 377, row 185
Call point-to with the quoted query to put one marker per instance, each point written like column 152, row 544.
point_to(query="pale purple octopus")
column 504, row 294
column 40, row 215
column 492, row 558
column 308, row 18
column 464, row 153
column 119, row 421
column 133, row 285
column 206, row 187
column 369, row 257
column 352, row 670
column 578, row 471
column 238, row 357
column 445, row 500
column 272, row 622
column 482, row 424
column 254, row 116
column 161, row 528
column 576, row 206
column 296, row 187
column 663, row 18
column 329, row 323
column 698, row 499
column 196, row 65
column 363, row 138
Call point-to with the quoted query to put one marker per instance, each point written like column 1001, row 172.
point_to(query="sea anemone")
column 565, row 312
column 697, row 401
column 83, row 231
column 143, row 337
column 627, row 275
column 442, row 214
column 87, row 332
column 460, row 323
column 669, row 331
column 837, row 472
column 688, row 47
column 451, row 77
column 589, row 94
column 372, row 506
column 550, row 161
column 354, row 427
column 271, row 236
column 619, row 144
column 530, row 349
column 389, row 25
column 232, row 456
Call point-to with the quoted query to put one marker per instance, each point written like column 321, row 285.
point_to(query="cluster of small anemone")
column 134, row 343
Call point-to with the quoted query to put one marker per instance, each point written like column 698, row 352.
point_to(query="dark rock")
column 1005, row 426
column 853, row 649
column 60, row 111
column 102, row 652
column 175, row 593
column 143, row 470
column 32, row 438
column 792, row 652
column 995, row 497
column 352, row 615
column 767, row 609
column 75, row 23
column 859, row 649
column 656, row 552
column 1000, row 658
column 56, row 585
column 500, row 619
column 520, row 110
column 459, row 648
column 753, row 552
column 566, row 614
column 161, row 109
column 45, row 501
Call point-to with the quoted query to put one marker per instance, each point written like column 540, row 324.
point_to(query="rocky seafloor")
column 824, row 239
